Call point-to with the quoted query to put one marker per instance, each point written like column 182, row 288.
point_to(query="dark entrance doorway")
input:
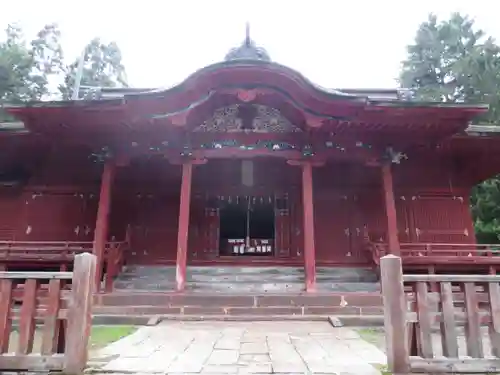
column 247, row 227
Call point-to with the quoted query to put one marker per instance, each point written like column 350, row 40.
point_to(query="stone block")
column 246, row 359
column 265, row 311
column 220, row 369
column 228, row 344
column 254, row 348
column 211, row 300
column 223, row 357
column 289, row 368
column 203, row 310
column 332, row 310
column 257, row 368
column 335, row 322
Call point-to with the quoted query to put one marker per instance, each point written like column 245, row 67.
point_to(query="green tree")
column 486, row 210
column 26, row 68
column 435, row 60
column 454, row 61
column 102, row 68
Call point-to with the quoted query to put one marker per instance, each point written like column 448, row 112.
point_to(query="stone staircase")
column 234, row 293
column 246, row 279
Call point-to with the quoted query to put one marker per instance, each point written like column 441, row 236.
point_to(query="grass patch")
column 383, row 369
column 371, row 335
column 374, row 336
column 105, row 335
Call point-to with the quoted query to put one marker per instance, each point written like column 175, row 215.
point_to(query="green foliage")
column 485, row 208
column 434, row 63
column 102, row 68
column 454, row 61
column 27, row 69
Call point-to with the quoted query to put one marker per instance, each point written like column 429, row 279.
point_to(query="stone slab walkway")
column 243, row 348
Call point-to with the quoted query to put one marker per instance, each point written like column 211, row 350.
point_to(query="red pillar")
column 309, row 246
column 182, row 235
column 390, row 210
column 102, row 222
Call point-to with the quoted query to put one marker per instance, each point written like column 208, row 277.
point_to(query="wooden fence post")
column 80, row 314
column 398, row 356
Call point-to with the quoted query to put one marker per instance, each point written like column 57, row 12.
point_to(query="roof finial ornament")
column 248, row 40
column 248, row 49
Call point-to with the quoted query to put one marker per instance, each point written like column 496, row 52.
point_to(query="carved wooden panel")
column 249, row 118
column 444, row 219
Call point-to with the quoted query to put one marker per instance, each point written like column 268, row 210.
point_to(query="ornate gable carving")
column 266, row 120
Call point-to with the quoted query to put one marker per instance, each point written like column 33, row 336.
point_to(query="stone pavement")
column 243, row 348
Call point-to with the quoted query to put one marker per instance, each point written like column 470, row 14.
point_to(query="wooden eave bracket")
column 312, row 121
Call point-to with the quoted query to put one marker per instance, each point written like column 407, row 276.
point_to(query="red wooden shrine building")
column 244, row 163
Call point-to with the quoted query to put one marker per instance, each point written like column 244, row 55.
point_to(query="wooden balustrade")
column 54, row 318
column 62, row 254
column 439, row 253
column 423, row 326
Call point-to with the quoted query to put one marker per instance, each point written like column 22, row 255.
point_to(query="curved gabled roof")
column 244, row 65
column 247, row 70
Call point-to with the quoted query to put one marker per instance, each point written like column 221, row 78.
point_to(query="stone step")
column 251, row 305
column 239, row 300
column 247, row 311
column 246, row 279
column 222, row 287
column 203, row 274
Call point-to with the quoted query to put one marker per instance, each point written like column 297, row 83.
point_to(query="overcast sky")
column 337, row 44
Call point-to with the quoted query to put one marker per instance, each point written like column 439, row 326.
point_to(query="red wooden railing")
column 438, row 253
column 62, row 253
column 46, row 329
column 423, row 327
